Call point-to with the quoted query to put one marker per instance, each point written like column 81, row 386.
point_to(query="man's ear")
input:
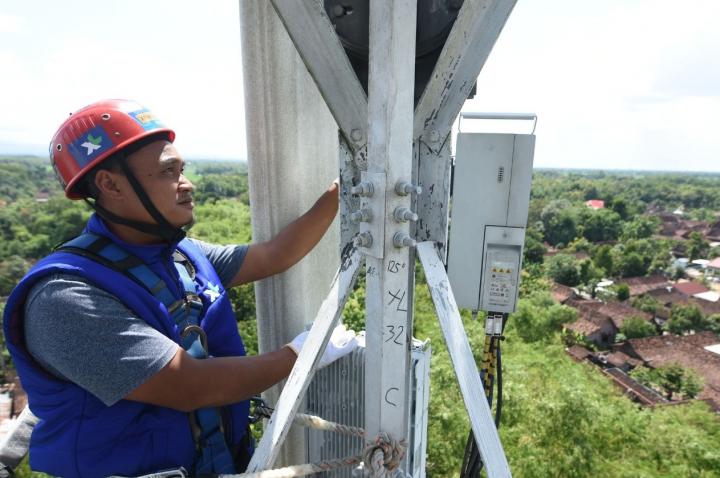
column 107, row 183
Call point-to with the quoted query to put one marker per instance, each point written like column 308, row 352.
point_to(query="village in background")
column 612, row 360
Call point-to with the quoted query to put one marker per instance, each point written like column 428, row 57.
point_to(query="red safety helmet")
column 94, row 133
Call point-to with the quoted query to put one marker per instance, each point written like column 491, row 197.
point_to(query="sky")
column 616, row 84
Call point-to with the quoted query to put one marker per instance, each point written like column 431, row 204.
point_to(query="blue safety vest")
column 78, row 435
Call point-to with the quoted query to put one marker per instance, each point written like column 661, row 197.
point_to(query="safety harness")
column 213, row 455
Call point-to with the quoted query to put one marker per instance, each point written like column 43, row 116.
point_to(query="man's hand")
column 341, row 343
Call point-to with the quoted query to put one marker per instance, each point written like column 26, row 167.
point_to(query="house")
column 713, row 268
column 599, row 322
column 690, row 288
column 669, row 297
column 595, row 204
column 634, row 390
column 713, row 233
column 617, row 313
column 562, row 293
column 578, row 353
column 641, row 285
column 617, row 360
column 42, row 196
column 698, row 352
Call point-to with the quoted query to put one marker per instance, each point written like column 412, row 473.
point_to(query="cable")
column 490, row 374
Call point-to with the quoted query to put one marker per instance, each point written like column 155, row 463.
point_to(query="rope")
column 301, row 470
column 383, row 455
column 315, row 422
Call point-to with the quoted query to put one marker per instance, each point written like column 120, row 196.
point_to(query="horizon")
column 4, row 156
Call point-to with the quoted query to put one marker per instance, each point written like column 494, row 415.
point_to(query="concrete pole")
column 293, row 157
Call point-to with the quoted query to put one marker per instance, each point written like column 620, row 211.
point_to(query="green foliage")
column 697, row 246
column 563, row 269
column 637, row 328
column 12, row 270
column 30, row 229
column 560, row 222
column 539, row 317
column 211, row 187
column 534, row 248
column 602, row 225
column 640, row 227
column 622, row 292
column 225, row 221
column 673, row 380
column 353, row 315
column 646, row 303
column 603, row 259
column 23, row 177
column 689, row 318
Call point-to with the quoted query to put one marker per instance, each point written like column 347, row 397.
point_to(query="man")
column 124, row 338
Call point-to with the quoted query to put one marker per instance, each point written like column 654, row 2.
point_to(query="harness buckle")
column 190, row 329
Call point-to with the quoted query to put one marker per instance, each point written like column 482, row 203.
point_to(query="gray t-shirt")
column 85, row 335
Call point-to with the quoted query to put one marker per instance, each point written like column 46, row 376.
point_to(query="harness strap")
column 186, row 313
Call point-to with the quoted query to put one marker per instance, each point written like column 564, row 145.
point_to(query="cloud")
column 11, row 23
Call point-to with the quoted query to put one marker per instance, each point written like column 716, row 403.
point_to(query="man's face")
column 159, row 169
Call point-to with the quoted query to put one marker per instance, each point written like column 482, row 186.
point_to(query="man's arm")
column 213, row 382
column 292, row 243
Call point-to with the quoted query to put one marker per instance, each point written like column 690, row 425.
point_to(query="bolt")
column 403, row 214
column 363, row 189
column 400, row 239
column 356, row 135
column 403, row 188
column 434, row 136
column 363, row 215
column 338, row 10
column 364, row 239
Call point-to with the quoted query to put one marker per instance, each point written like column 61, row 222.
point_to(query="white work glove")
column 341, row 343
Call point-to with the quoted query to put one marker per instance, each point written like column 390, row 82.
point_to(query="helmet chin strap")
column 163, row 229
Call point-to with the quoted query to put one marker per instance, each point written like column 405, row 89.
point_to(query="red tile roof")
column 690, row 288
column 641, row 285
column 688, row 351
column 595, row 203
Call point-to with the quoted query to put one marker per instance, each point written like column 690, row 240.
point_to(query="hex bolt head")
column 356, row 135
column 403, row 214
column 403, row 188
column 363, row 189
column 363, row 215
column 364, row 239
column 400, row 239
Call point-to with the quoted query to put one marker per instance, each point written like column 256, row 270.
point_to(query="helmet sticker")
column 146, row 119
column 89, row 146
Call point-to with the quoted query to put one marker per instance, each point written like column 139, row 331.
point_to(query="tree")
column 539, row 317
column 559, row 220
column 11, row 271
column 563, row 269
column 622, row 291
column 637, row 328
column 671, row 379
column 646, row 303
column 639, row 228
column 602, row 225
column 604, row 259
column 685, row 318
column 632, row 264
column 534, row 249
column 697, row 246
